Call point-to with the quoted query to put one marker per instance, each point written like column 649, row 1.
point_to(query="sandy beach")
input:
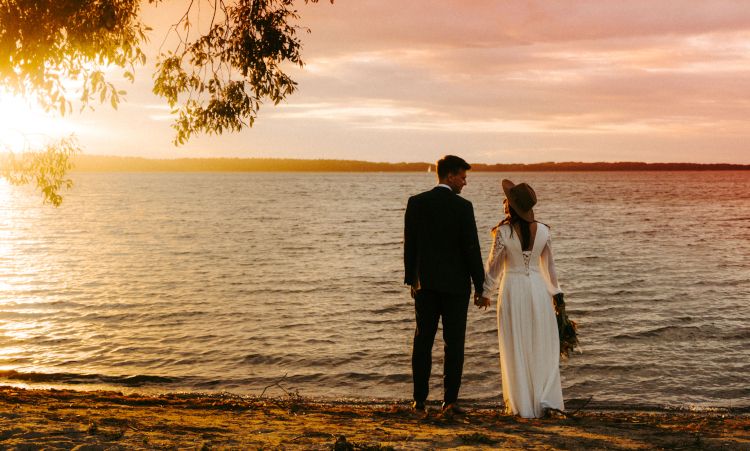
column 91, row 421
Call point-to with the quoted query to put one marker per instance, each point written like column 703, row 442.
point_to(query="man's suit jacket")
column 441, row 247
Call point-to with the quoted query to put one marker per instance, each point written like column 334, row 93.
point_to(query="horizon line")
column 342, row 160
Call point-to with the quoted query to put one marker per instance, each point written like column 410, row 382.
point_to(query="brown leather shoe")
column 453, row 408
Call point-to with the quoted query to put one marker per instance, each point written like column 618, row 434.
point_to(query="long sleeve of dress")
column 495, row 265
column 547, row 265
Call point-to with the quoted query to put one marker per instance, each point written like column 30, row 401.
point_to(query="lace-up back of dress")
column 526, row 261
column 518, row 260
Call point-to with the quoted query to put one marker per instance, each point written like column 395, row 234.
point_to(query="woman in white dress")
column 521, row 264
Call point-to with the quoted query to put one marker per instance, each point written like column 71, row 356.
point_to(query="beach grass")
column 98, row 420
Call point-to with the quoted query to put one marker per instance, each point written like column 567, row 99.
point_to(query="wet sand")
column 92, row 421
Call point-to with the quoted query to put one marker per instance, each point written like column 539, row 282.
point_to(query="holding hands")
column 480, row 301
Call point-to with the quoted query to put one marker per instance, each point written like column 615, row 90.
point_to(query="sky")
column 493, row 81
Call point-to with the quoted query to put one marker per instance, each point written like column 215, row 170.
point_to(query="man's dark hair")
column 451, row 164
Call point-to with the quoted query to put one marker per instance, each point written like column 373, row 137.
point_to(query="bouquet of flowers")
column 565, row 327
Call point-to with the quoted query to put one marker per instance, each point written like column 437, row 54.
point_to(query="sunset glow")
column 497, row 82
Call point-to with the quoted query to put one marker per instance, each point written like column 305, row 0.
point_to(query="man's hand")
column 480, row 301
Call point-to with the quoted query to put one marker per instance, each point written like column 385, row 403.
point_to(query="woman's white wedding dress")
column 526, row 322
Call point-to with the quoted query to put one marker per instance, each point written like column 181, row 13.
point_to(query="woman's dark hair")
column 525, row 226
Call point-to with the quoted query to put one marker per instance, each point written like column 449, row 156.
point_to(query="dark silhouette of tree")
column 216, row 79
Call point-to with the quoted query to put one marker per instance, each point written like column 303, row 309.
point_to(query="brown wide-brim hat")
column 521, row 197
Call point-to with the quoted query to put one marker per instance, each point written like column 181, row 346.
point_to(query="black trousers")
column 430, row 306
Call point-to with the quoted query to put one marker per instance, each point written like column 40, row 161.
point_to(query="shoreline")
column 142, row 387
column 107, row 420
column 276, row 391
column 111, row 163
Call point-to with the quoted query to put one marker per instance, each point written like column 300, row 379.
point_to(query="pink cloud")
column 513, row 22
column 497, row 80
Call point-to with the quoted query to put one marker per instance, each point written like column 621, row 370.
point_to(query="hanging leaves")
column 44, row 43
column 220, row 78
column 214, row 82
column 47, row 166
column 228, row 72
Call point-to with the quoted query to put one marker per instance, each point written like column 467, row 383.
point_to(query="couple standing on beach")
column 442, row 258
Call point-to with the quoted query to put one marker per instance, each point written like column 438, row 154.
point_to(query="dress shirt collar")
column 445, row 186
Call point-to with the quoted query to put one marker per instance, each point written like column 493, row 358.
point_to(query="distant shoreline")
column 102, row 163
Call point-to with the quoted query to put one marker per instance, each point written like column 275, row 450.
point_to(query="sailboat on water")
column 429, row 168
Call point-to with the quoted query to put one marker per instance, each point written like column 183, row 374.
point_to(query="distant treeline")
column 101, row 163
column 620, row 166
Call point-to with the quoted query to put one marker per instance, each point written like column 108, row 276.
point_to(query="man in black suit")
column 441, row 259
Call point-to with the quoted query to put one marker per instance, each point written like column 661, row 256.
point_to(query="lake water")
column 158, row 282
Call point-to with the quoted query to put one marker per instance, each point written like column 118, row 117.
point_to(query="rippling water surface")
column 202, row 282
